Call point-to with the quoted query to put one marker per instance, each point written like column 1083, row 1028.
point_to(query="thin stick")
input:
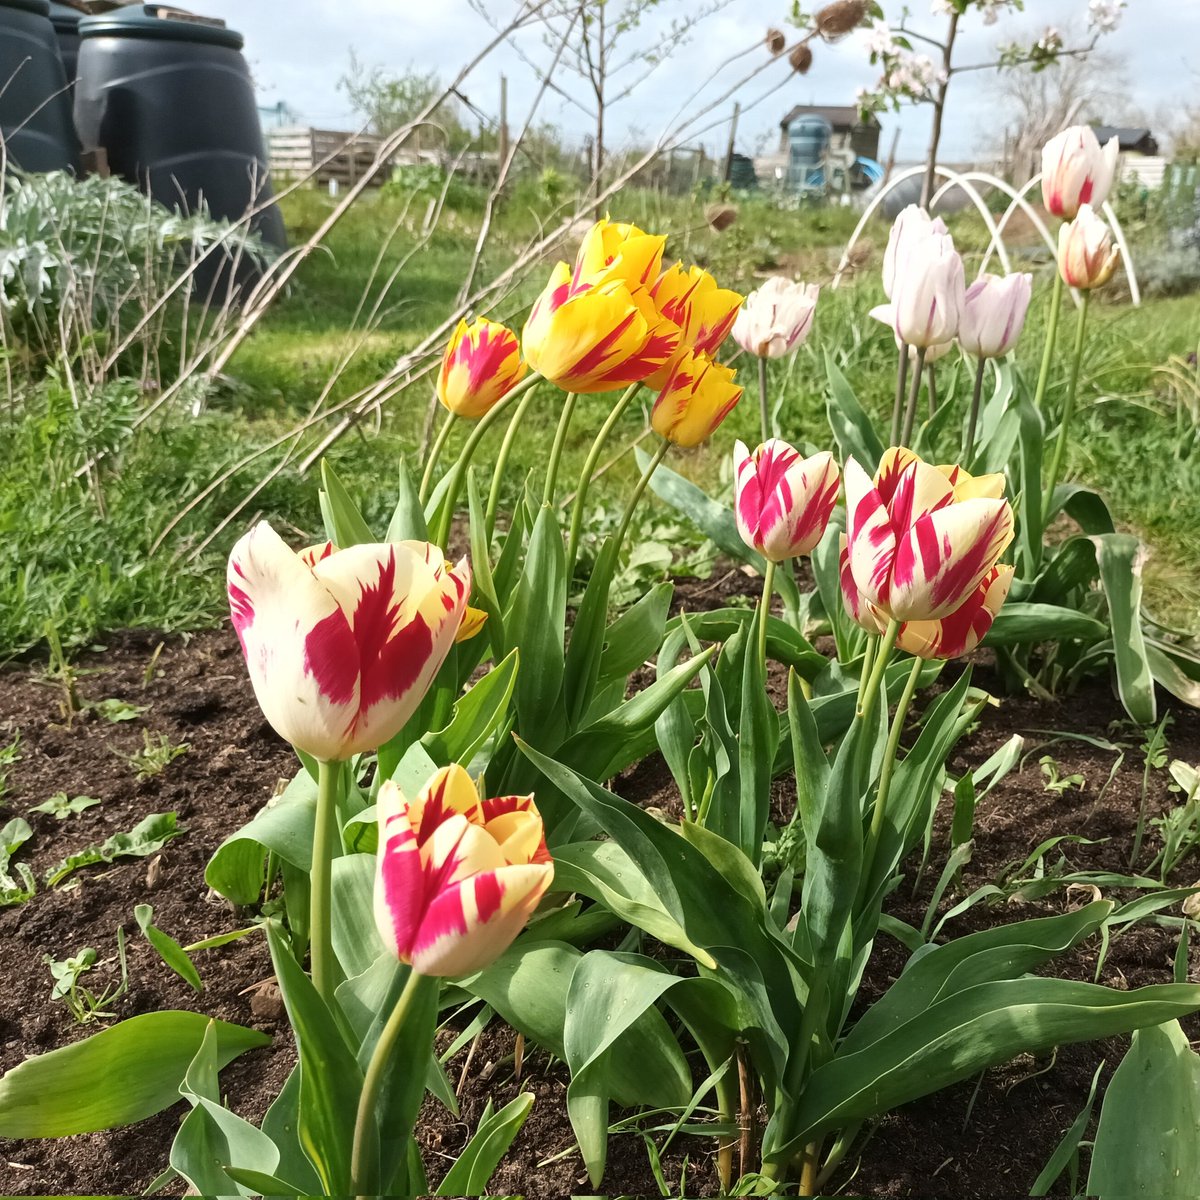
column 763, row 407
column 973, row 420
column 901, row 382
column 910, row 414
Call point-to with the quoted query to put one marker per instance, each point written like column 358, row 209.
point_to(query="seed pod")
column 776, row 41
column 720, row 216
column 801, row 58
column 840, row 18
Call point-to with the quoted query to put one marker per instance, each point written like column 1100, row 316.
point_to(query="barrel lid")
column 64, row 16
column 162, row 21
column 41, row 7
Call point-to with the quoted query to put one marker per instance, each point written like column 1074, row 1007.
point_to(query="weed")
column 1054, row 781
column 8, row 755
column 83, row 1004
column 1154, row 758
column 12, row 837
column 60, row 807
column 147, row 837
column 116, row 711
column 156, row 754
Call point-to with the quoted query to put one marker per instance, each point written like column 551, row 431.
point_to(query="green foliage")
column 15, row 833
column 147, row 837
column 83, row 1004
column 157, row 753
column 60, row 806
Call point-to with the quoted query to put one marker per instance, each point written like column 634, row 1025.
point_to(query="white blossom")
column 1105, row 15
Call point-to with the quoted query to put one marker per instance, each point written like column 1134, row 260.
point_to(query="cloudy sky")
column 298, row 50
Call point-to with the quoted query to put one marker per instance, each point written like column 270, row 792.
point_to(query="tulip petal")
column 920, row 489
column 944, row 557
column 973, row 487
column 859, row 609
column 399, row 879
column 962, row 630
column 469, row 924
column 450, row 792
column 872, row 539
column 496, row 820
column 296, row 641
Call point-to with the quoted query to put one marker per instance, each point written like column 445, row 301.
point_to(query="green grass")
column 62, row 561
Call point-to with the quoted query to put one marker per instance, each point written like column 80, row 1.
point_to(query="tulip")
column 342, row 645
column 928, row 294
column 911, row 227
column 596, row 338
column 919, row 541
column 456, row 877
column 1076, row 171
column 481, row 365
column 962, row 630
column 1087, row 255
column 776, row 318
column 697, row 397
column 612, row 252
column 993, row 314
column 783, row 503
column 859, row 609
column 473, row 622
column 692, row 301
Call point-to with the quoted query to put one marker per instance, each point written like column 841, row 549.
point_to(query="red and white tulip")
column 921, row 539
column 1087, row 255
column 994, row 314
column 927, row 295
column 1076, row 171
column 912, row 227
column 457, row 877
column 342, row 645
column 783, row 502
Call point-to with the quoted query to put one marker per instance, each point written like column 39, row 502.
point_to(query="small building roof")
column 840, row 116
column 1128, row 137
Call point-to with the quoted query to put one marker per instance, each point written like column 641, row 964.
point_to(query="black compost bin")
column 35, row 103
column 168, row 98
column 65, row 20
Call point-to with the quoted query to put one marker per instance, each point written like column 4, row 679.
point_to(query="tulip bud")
column 962, row 630
column 1087, row 255
column 481, row 365
column 777, row 318
column 456, row 877
column 909, row 229
column 928, row 294
column 697, row 397
column 342, row 645
column 783, row 503
column 994, row 314
column 1076, row 171
column 921, row 539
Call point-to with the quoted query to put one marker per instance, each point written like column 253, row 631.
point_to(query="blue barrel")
column 65, row 20
column 168, row 97
column 808, row 143
column 35, row 101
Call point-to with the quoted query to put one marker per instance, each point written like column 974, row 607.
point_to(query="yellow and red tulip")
column 473, row 622
column 457, row 877
column 703, row 312
column 481, row 365
column 1076, row 171
column 920, row 539
column 589, row 337
column 697, row 396
column 1087, row 255
column 342, row 645
column 782, row 502
column 616, row 252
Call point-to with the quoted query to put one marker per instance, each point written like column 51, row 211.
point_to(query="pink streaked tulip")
column 911, row 227
column 1087, row 255
column 457, row 877
column 921, row 539
column 1076, row 171
column 481, row 365
column 776, row 318
column 697, row 397
column 928, row 294
column 782, row 502
column 950, row 637
column 342, row 645
column 994, row 314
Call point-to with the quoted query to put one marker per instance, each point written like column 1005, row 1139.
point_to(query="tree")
column 389, row 101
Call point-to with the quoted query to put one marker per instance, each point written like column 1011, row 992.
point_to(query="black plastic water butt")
column 65, row 20
column 168, row 97
column 35, row 101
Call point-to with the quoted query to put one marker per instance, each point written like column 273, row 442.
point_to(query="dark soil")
column 985, row 1138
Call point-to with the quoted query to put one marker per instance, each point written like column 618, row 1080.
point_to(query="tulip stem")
column 638, row 491
column 764, row 408
column 510, row 436
column 865, row 674
column 764, row 611
column 1068, row 412
column 560, row 440
column 931, row 372
column 1051, row 340
column 489, row 418
column 364, row 1159
column 325, row 835
column 973, row 420
column 589, row 467
column 439, row 445
column 901, row 383
column 888, row 768
column 867, row 701
column 910, row 414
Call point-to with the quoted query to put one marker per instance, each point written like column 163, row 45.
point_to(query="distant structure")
column 848, row 130
column 1140, row 158
column 823, row 149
